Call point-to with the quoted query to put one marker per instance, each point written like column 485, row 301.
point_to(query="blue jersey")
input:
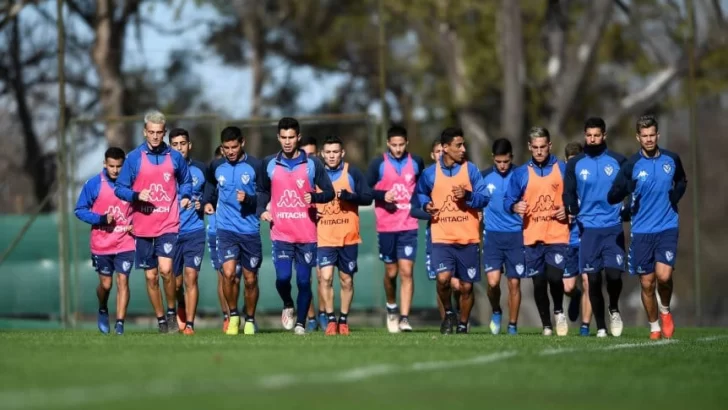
column 191, row 219
column 376, row 170
column 156, row 156
column 87, row 198
column 656, row 185
column 211, row 228
column 574, row 234
column 495, row 216
column 587, row 181
column 519, row 181
column 224, row 180
column 475, row 199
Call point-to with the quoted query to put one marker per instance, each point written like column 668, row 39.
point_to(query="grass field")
column 368, row 370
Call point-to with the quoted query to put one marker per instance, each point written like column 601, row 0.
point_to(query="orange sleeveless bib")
column 338, row 224
column 454, row 222
column 544, row 196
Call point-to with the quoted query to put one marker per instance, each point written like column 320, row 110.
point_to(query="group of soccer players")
column 549, row 220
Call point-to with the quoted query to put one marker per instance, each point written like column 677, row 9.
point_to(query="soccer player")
column 571, row 266
column 156, row 181
column 535, row 192
column 656, row 180
column 452, row 191
column 190, row 246
column 503, row 239
column 112, row 246
column 231, row 194
column 309, row 145
column 338, row 232
column 393, row 178
column 589, row 177
column 289, row 181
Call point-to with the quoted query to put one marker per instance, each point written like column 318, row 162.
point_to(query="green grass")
column 368, row 370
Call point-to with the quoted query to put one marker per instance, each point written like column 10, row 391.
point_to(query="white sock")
column 391, row 306
column 663, row 309
column 655, row 326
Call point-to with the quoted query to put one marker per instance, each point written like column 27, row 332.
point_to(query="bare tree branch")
column 85, row 15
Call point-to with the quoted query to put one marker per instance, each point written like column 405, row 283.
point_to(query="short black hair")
column 647, row 121
column 218, row 151
column 178, row 132
column 595, row 122
column 539, row 132
column 333, row 139
column 231, row 134
column 114, row 153
column 502, row 146
column 435, row 143
column 573, row 148
column 449, row 134
column 397, row 131
column 308, row 140
column 289, row 123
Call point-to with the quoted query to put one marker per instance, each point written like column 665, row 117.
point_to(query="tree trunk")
column 514, row 73
column 249, row 13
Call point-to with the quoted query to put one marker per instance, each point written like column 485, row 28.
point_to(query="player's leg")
column 348, row 266
column 251, row 257
column 455, row 285
column 283, row 255
column 612, row 259
column 555, row 259
column 515, row 270
column 105, row 268
column 586, row 309
column 221, row 298
column 432, row 276
column 406, row 255
column 535, row 266
column 146, row 259
column 388, row 255
column 193, row 254
column 327, row 258
column 571, row 273
column 665, row 255
column 642, row 249
column 445, row 265
column 178, row 270
column 123, row 263
column 164, row 248
column 493, row 260
column 323, row 320
column 228, row 251
column 468, row 272
column 305, row 260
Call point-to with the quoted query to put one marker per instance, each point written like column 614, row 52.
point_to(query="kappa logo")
column 519, row 269
column 584, row 174
column 221, row 180
column 471, row 273
column 254, row 261
column 669, row 256
column 119, row 216
column 490, row 188
column 126, row 266
column 609, row 170
column 168, row 247
column 667, row 168
column 158, row 194
column 408, row 250
column 401, row 193
column 408, row 177
column 290, row 199
column 299, row 183
column 642, row 176
column 167, row 176
column 245, row 178
column 197, row 260
column 558, row 258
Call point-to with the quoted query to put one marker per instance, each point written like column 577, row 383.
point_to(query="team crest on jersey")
column 608, row 170
column 221, row 180
column 254, row 261
column 167, row 176
column 245, row 178
column 299, row 183
column 167, row 247
column 667, row 168
column 352, row 265
column 669, row 256
column 558, row 258
column 408, row 177
column 519, row 269
column 197, row 260
column 490, row 188
column 195, row 180
column 584, row 174
column 471, row 273
column 126, row 265
column 408, row 250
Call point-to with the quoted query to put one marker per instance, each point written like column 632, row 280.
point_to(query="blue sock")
column 303, row 280
column 284, row 272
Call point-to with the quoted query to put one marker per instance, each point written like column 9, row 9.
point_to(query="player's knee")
column 613, row 274
column 106, row 283
column 465, row 288
column 443, row 280
column 251, row 282
column 493, row 279
column 664, row 280
column 122, row 281
column 346, row 283
column 190, row 279
column 648, row 284
column 554, row 274
column 569, row 286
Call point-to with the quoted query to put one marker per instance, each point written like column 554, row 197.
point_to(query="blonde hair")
column 154, row 117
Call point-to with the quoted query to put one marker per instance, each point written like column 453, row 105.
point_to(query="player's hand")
column 266, row 216
column 560, row 213
column 520, row 208
column 307, row 197
column 430, row 208
column 144, row 195
column 185, row 203
column 198, row 205
column 130, row 228
column 458, row 192
column 109, row 219
column 241, row 196
column 389, row 197
column 209, row 209
column 571, row 219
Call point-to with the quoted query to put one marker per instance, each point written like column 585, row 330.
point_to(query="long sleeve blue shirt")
column 191, row 219
column 317, row 177
column 656, row 185
column 224, row 180
column 519, row 181
column 376, row 170
column 496, row 218
column 587, row 181
column 130, row 170
column 475, row 199
column 86, row 199
column 361, row 194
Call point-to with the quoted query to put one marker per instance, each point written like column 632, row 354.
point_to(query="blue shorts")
column 571, row 266
column 503, row 251
column 394, row 246
column 462, row 261
column 106, row 265
column 189, row 251
column 300, row 253
column 247, row 249
column 212, row 246
column 343, row 257
column 601, row 248
column 148, row 250
column 540, row 255
column 647, row 249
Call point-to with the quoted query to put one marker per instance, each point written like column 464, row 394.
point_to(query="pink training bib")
column 160, row 215
column 114, row 238
column 396, row 217
column 294, row 220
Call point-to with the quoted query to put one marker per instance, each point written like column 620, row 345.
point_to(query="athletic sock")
column 343, row 317
column 663, row 309
column 392, row 308
column 403, row 317
column 171, row 311
column 225, row 316
column 249, row 318
column 103, row 310
column 191, row 325
column 234, row 312
column 497, row 311
column 332, row 317
column 120, row 322
column 655, row 326
column 161, row 320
